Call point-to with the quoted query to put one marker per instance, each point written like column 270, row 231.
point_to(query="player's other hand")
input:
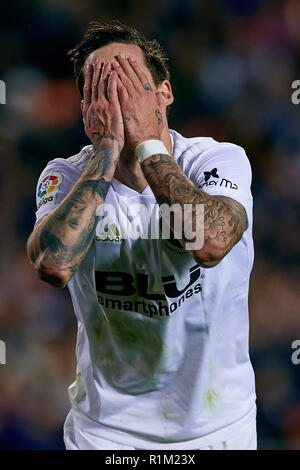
column 100, row 106
column 143, row 108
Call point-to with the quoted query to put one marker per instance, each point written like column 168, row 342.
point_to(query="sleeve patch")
column 48, row 188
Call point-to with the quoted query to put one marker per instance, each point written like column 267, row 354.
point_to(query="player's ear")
column 166, row 92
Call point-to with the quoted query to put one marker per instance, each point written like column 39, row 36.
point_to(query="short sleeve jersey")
column 162, row 345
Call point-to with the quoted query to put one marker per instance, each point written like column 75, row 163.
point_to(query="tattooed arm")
column 225, row 219
column 61, row 240
column 143, row 106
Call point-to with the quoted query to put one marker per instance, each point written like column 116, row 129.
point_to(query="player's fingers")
column 95, row 81
column 103, row 80
column 143, row 78
column 122, row 92
column 129, row 71
column 112, row 92
column 87, row 91
column 124, row 78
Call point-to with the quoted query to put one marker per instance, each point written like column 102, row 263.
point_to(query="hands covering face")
column 119, row 99
column 141, row 106
column 100, row 107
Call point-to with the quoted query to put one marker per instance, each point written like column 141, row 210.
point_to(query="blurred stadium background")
column 232, row 65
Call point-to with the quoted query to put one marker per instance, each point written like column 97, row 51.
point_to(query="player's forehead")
column 110, row 51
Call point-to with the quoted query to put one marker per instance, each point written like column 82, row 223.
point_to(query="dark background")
column 232, row 66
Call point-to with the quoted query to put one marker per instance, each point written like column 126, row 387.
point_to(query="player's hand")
column 143, row 108
column 101, row 107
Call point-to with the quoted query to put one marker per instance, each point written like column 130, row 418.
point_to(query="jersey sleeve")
column 54, row 183
column 224, row 170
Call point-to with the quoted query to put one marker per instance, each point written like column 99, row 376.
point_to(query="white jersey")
column 162, row 346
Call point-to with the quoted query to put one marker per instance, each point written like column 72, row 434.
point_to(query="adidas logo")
column 110, row 234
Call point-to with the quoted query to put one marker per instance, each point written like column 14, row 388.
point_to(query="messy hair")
column 101, row 34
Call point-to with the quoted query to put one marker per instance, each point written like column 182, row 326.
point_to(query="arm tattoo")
column 66, row 257
column 148, row 87
column 126, row 119
column 67, row 234
column 224, row 218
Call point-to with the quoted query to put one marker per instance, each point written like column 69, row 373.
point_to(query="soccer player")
column 162, row 345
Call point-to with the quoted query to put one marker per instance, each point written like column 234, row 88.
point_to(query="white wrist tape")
column 148, row 148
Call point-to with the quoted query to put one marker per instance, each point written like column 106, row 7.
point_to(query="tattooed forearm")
column 224, row 219
column 103, row 161
column 63, row 256
column 60, row 243
column 239, row 216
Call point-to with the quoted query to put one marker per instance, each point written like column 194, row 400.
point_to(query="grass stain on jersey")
column 76, row 390
column 211, row 400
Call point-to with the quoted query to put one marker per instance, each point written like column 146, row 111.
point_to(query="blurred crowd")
column 232, row 66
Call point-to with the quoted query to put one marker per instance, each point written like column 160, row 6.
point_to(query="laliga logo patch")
column 49, row 187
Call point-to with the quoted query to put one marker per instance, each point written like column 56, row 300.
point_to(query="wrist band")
column 148, row 148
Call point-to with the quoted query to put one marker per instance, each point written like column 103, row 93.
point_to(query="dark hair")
column 100, row 34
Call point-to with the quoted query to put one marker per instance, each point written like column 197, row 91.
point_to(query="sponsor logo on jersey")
column 213, row 173
column 110, row 234
column 211, row 178
column 48, row 188
column 125, row 289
